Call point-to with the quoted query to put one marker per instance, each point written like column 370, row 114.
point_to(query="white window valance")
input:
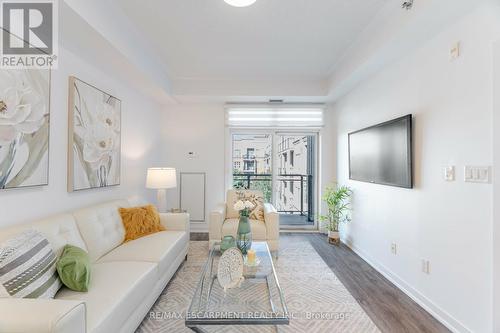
column 275, row 116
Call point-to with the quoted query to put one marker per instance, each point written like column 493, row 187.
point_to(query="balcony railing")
column 248, row 156
column 263, row 182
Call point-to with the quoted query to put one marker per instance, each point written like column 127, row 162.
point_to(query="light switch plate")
column 449, row 173
column 477, row 174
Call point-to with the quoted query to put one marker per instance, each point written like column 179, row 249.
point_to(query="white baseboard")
column 442, row 316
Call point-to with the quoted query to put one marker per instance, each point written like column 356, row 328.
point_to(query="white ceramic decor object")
column 230, row 269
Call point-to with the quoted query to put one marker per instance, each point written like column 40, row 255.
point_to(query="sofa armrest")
column 217, row 217
column 42, row 315
column 175, row 221
column 272, row 219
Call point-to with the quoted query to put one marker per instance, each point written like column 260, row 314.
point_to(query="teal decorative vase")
column 227, row 243
column 244, row 241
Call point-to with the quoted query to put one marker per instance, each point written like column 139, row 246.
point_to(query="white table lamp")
column 161, row 179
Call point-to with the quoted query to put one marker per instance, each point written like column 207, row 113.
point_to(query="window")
column 252, row 163
column 249, row 166
column 274, row 117
column 281, row 165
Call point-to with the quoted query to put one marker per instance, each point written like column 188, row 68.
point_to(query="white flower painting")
column 24, row 127
column 95, row 130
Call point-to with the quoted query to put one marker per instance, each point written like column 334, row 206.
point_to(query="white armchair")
column 224, row 221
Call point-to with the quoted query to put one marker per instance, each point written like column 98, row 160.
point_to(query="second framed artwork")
column 94, row 150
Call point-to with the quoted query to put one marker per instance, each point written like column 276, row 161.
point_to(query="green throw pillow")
column 74, row 268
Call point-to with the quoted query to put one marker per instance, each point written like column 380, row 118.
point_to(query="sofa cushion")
column 140, row 221
column 101, row 227
column 233, row 196
column 230, row 228
column 28, row 267
column 74, row 268
column 116, row 290
column 59, row 230
column 162, row 248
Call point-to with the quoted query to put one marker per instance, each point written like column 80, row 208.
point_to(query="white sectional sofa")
column 126, row 278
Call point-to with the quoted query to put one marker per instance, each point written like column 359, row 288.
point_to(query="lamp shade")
column 161, row 178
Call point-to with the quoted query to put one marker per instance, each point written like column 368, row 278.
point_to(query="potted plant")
column 337, row 200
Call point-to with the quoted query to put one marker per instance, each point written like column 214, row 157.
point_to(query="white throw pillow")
column 28, row 267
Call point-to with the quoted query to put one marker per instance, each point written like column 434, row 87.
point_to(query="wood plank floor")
column 389, row 308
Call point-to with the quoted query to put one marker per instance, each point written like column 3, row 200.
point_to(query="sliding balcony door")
column 281, row 165
column 295, row 175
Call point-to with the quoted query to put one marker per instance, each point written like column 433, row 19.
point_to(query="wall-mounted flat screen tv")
column 382, row 154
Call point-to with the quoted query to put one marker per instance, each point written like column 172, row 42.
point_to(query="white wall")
column 200, row 128
column 197, row 128
column 448, row 223
column 141, row 136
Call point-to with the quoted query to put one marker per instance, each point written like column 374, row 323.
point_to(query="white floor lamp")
column 161, row 179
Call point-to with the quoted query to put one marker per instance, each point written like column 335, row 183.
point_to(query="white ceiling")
column 273, row 39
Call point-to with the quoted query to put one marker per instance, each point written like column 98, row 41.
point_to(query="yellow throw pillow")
column 140, row 221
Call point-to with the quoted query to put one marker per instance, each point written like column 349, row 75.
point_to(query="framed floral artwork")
column 94, row 137
column 24, row 127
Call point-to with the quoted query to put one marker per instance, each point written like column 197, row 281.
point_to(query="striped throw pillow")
column 28, row 267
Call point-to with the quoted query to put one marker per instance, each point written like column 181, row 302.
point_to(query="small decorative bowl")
column 227, row 243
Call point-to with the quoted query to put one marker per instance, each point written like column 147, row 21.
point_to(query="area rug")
column 316, row 299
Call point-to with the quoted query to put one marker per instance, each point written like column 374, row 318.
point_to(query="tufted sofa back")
column 101, row 227
column 97, row 229
column 59, row 231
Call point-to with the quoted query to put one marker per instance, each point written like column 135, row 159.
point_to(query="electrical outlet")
column 426, row 266
column 394, row 248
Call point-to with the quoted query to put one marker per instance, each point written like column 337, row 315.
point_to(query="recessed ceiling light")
column 240, row 3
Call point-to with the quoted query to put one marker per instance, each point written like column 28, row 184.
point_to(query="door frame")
column 315, row 134
column 274, row 133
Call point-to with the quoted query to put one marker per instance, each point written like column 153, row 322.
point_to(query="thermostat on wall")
column 192, row 154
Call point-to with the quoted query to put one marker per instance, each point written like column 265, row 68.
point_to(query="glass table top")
column 258, row 301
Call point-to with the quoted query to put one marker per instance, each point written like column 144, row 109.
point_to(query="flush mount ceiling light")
column 240, row 3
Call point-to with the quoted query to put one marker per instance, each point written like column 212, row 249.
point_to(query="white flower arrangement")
column 243, row 207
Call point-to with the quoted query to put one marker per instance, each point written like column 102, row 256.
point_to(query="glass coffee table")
column 258, row 301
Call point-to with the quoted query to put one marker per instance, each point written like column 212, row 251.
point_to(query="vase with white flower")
column 244, row 240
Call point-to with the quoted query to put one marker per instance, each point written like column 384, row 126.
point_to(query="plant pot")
column 333, row 237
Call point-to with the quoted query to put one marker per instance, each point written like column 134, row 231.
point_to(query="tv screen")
column 382, row 154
